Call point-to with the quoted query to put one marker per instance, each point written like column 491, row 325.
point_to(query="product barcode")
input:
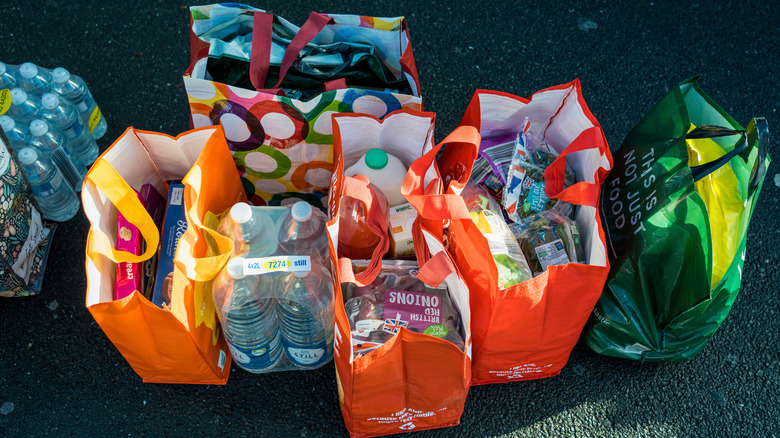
column 177, row 194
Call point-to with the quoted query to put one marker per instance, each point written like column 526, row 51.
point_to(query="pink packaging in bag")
column 128, row 275
column 155, row 205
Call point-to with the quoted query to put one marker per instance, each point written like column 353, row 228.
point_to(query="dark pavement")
column 59, row 374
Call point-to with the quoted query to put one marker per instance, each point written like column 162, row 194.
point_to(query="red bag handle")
column 262, row 36
column 581, row 193
column 360, row 189
column 429, row 202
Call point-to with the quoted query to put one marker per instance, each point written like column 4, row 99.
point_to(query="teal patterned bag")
column 24, row 237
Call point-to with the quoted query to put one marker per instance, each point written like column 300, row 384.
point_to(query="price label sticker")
column 264, row 265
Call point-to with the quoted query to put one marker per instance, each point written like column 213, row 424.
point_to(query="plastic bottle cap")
column 38, row 127
column 27, row 156
column 241, row 212
column 376, row 159
column 301, row 211
column 235, row 268
column 7, row 123
column 60, row 75
column 28, row 70
column 18, row 96
column 50, row 100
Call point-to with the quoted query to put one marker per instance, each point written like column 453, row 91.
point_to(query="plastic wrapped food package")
column 486, row 213
column 547, row 239
column 524, row 192
column 398, row 299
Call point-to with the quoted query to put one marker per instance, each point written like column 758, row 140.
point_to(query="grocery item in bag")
column 398, row 299
column 385, row 171
column 356, row 238
column 524, row 192
column 512, row 266
column 174, row 226
column 128, row 274
column 547, row 239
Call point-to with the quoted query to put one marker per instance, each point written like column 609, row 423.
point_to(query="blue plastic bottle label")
column 264, row 265
column 48, row 188
column 75, row 129
column 88, row 99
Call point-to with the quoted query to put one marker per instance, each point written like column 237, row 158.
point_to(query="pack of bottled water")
column 275, row 296
column 52, row 113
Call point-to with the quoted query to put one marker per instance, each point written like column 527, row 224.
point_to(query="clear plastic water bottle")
column 306, row 310
column 34, row 80
column 51, row 140
column 254, row 234
column 56, row 198
column 247, row 312
column 24, row 107
column 9, row 76
column 75, row 90
column 16, row 133
column 303, row 232
column 63, row 114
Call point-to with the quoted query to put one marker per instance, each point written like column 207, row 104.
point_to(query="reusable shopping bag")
column 25, row 240
column 528, row 330
column 676, row 209
column 279, row 130
column 182, row 343
column 414, row 381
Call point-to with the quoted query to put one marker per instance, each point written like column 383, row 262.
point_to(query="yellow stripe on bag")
column 720, row 192
column 108, row 181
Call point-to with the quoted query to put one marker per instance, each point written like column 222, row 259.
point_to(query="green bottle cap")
column 376, row 159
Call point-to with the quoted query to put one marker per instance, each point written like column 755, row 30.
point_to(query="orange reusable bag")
column 527, row 331
column 183, row 344
column 414, row 381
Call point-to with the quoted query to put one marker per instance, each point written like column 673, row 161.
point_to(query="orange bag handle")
column 360, row 189
column 213, row 168
column 431, row 202
column 106, row 178
column 581, row 193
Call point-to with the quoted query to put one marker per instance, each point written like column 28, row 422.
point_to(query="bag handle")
column 359, row 189
column 107, row 180
column 710, row 131
column 262, row 41
column 581, row 193
column 436, row 270
column 758, row 131
column 429, row 202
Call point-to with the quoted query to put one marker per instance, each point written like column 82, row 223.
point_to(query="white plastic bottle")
column 24, row 107
column 16, row 133
column 74, row 89
column 383, row 170
column 9, row 76
column 63, row 114
column 303, row 232
column 56, row 198
column 34, row 80
column 254, row 234
column 51, row 140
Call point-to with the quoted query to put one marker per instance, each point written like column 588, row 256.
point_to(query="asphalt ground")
column 60, row 375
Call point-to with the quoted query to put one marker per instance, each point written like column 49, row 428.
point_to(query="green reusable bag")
column 676, row 209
